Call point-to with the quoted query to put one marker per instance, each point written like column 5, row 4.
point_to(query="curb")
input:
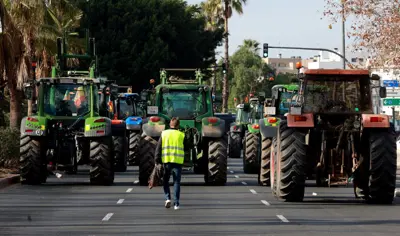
column 5, row 182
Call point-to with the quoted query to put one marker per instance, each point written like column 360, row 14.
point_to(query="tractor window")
column 66, row 99
column 242, row 116
column 332, row 95
column 183, row 104
column 125, row 110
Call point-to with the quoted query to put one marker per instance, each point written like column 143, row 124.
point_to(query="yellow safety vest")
column 172, row 146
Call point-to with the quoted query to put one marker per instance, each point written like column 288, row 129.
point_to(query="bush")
column 9, row 148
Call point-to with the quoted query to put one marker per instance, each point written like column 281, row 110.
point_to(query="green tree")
column 135, row 38
column 250, row 72
column 225, row 9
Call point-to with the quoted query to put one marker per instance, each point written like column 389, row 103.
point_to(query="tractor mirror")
column 375, row 77
column 382, row 92
column 28, row 91
column 34, row 108
column 246, row 107
column 143, row 95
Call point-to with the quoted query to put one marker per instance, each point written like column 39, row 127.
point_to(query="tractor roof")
column 69, row 80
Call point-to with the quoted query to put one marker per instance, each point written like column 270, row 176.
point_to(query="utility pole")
column 343, row 36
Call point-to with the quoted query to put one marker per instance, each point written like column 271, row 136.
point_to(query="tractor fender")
column 269, row 129
column 98, row 127
column 305, row 120
column 33, row 126
column 375, row 121
column 118, row 128
column 134, row 123
column 153, row 128
column 253, row 128
column 213, row 129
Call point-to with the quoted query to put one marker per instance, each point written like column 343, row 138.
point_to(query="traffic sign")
column 391, row 101
column 390, row 83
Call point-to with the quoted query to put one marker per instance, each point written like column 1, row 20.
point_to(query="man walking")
column 170, row 151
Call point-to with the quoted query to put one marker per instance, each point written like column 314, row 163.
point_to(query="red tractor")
column 332, row 129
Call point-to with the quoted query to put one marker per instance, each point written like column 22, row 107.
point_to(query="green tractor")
column 67, row 129
column 205, row 144
column 251, row 140
column 283, row 95
column 237, row 130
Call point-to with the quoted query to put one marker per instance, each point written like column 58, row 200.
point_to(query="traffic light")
column 223, row 68
column 265, row 50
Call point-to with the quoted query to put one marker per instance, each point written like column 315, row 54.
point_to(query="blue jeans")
column 175, row 170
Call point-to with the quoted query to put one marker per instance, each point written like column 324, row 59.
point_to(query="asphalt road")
column 70, row 206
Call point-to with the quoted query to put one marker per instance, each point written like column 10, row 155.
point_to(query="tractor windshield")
column 67, row 99
column 125, row 110
column 325, row 95
column 242, row 116
column 185, row 104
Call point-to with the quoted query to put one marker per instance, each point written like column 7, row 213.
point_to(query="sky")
column 288, row 23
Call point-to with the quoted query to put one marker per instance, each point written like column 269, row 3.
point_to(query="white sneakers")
column 167, row 203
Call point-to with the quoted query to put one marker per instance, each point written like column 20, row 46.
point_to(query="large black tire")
column 120, row 153
column 33, row 169
column 251, row 146
column 147, row 149
column 134, row 138
column 264, row 175
column 217, row 162
column 273, row 173
column 101, row 161
column 383, row 165
column 235, row 145
column 291, row 162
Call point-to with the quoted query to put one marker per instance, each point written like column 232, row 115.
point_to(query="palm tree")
column 11, row 61
column 50, row 19
column 253, row 45
column 224, row 8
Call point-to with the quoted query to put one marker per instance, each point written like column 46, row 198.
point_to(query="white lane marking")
column 107, row 217
column 244, row 183
column 282, row 218
column 120, row 201
column 129, row 190
column 265, row 202
column 136, row 181
column 237, row 177
column 231, row 171
column 314, row 194
column 253, row 191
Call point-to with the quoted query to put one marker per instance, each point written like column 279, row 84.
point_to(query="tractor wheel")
column 291, row 163
column 217, row 162
column 33, row 170
column 101, row 161
column 134, row 138
column 273, row 173
column 120, row 153
column 264, row 175
column 383, row 165
column 146, row 159
column 235, row 145
column 250, row 154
